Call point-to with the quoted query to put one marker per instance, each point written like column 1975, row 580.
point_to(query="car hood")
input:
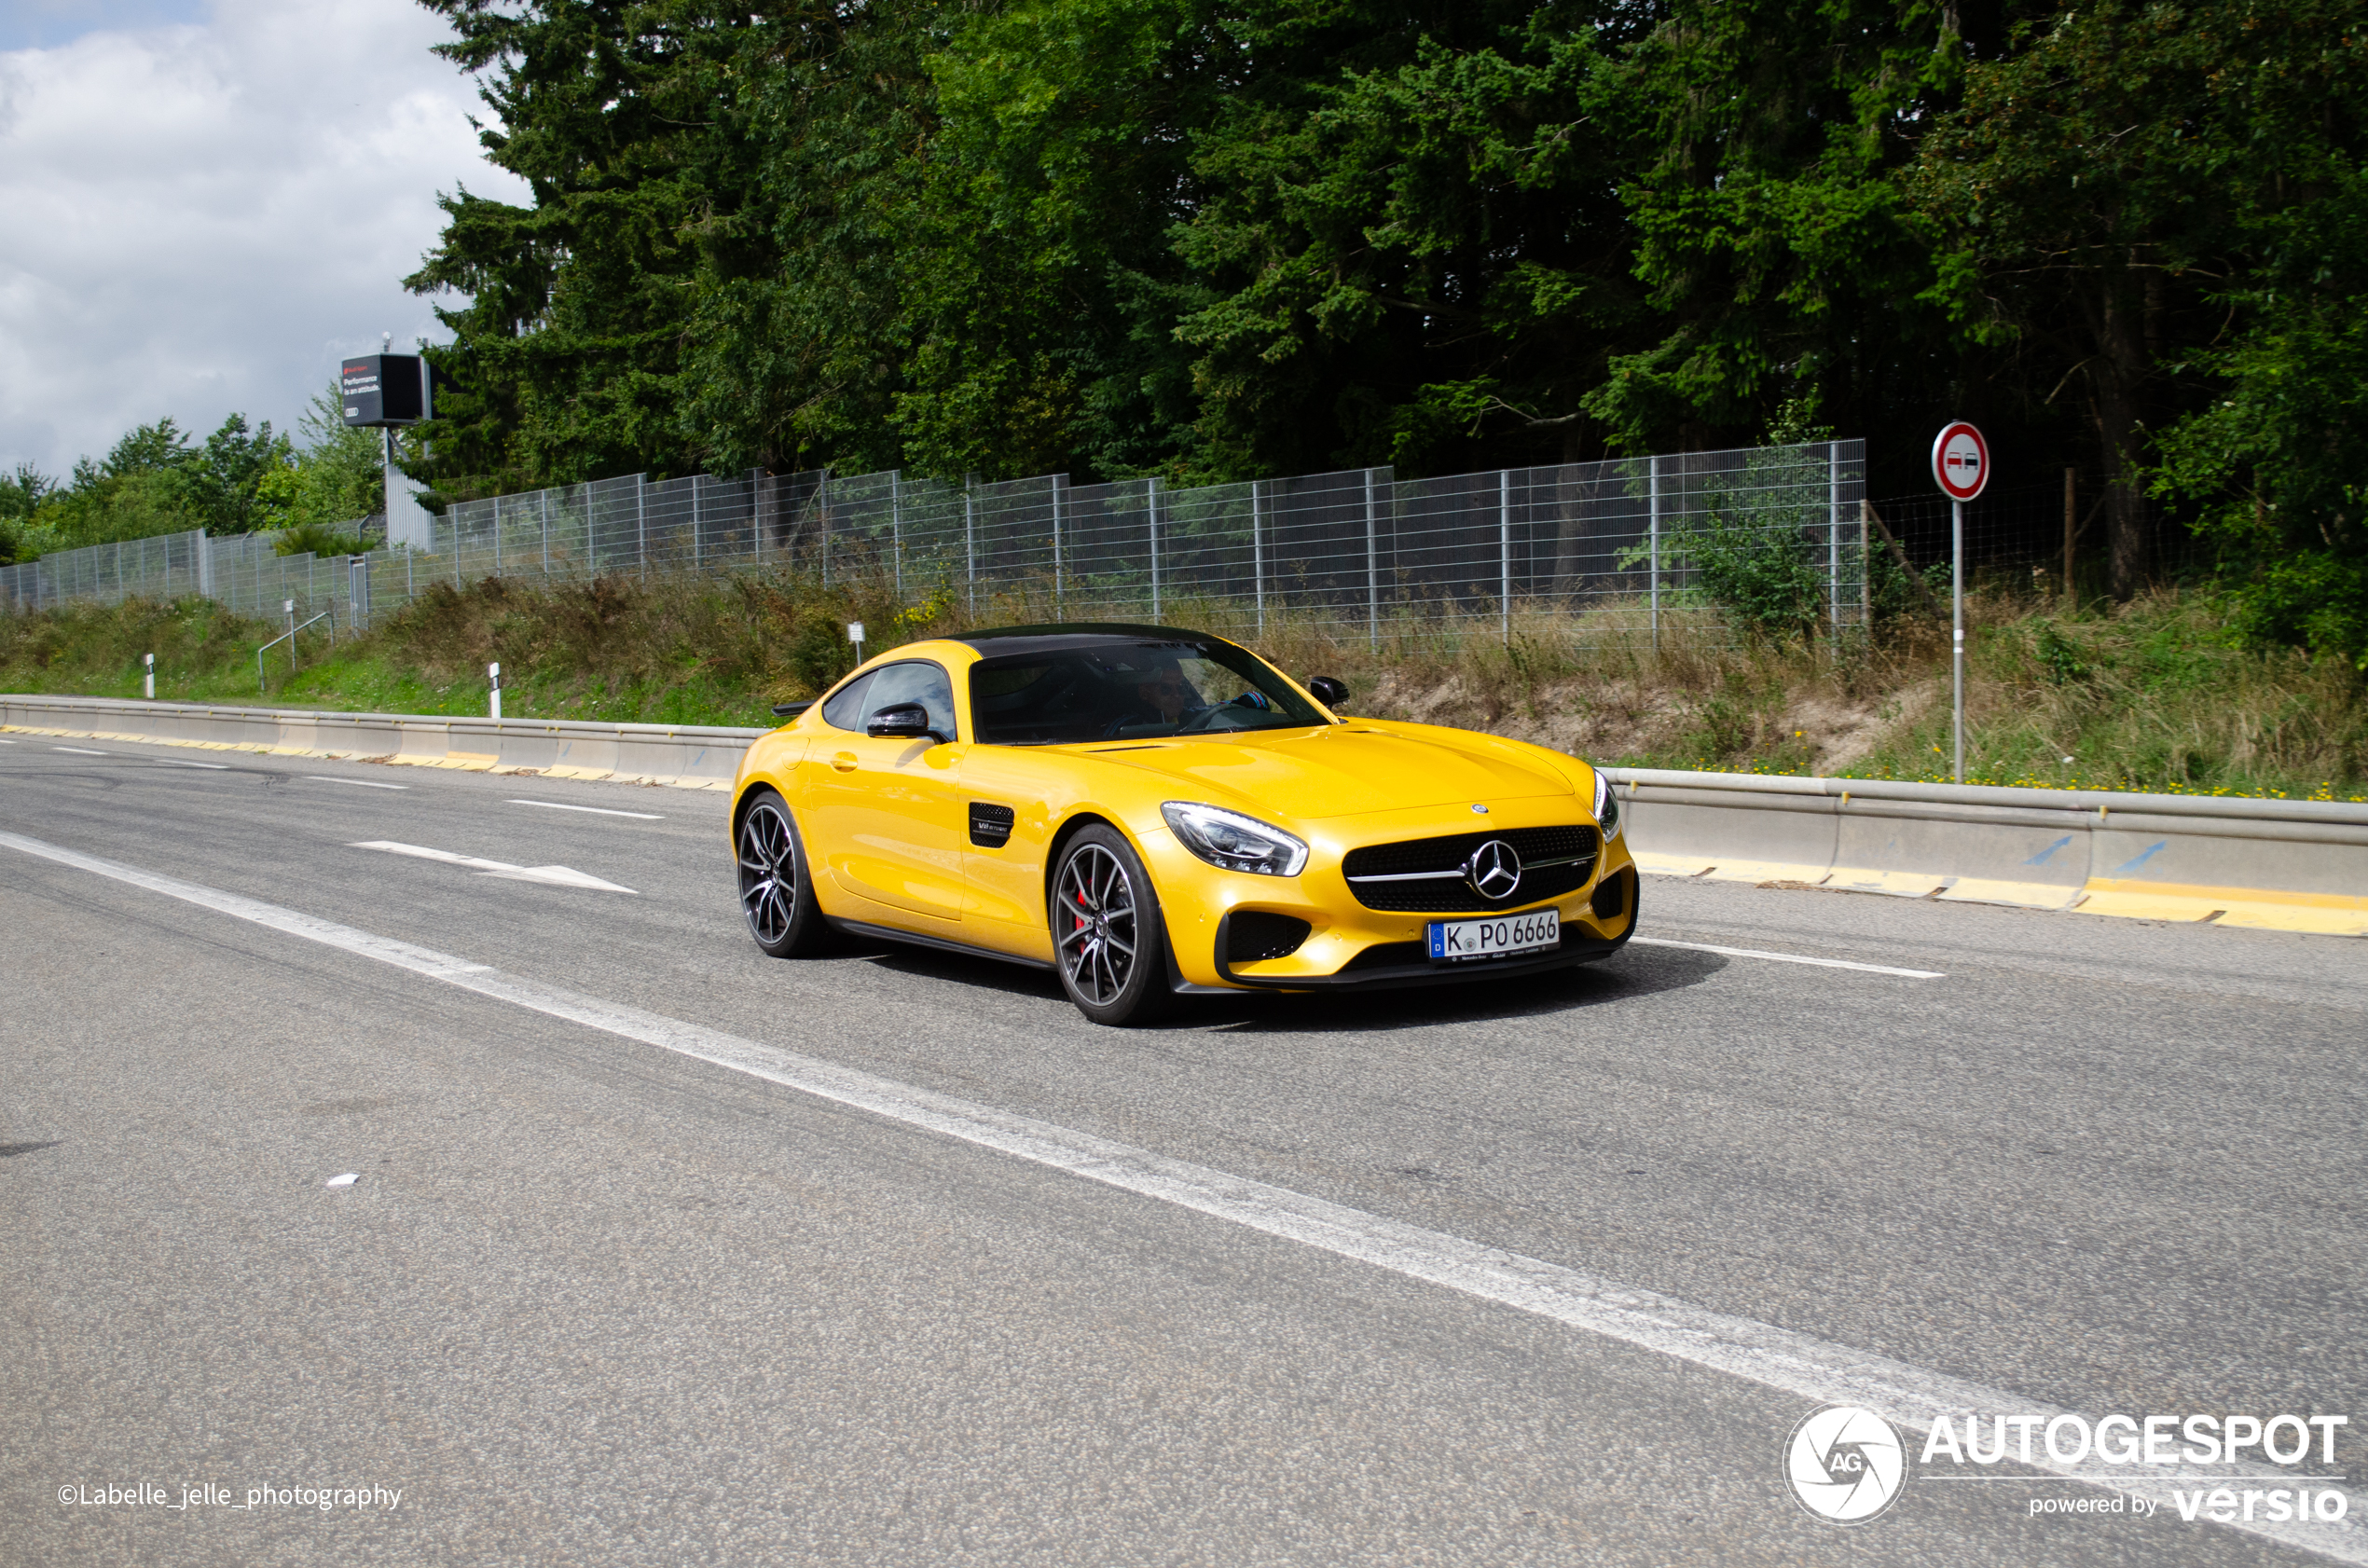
column 1346, row 770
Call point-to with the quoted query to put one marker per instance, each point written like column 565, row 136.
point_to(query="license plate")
column 1455, row 940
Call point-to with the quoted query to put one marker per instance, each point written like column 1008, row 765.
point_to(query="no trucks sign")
column 1960, row 462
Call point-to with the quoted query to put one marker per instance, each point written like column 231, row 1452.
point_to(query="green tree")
column 231, row 479
column 2275, row 468
column 340, row 475
column 1415, row 241
column 2106, row 185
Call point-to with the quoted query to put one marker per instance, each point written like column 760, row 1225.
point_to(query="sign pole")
column 1957, row 632
column 1961, row 467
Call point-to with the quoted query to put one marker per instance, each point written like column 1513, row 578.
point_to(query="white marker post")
column 855, row 635
column 494, row 676
column 1961, row 467
column 152, row 676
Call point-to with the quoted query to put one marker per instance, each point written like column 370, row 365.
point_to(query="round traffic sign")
column 1960, row 462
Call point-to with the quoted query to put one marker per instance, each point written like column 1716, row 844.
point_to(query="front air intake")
column 1252, row 934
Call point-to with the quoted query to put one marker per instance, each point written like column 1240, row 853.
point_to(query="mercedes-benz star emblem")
column 1494, row 871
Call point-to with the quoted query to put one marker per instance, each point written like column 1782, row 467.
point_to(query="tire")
column 1108, row 937
column 777, row 891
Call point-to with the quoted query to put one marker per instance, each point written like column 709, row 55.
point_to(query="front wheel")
column 1108, row 931
column 777, row 891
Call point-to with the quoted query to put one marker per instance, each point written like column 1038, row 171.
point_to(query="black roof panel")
column 1022, row 641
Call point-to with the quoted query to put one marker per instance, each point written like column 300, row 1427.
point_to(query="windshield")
column 1120, row 691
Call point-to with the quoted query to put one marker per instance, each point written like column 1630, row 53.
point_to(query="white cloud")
column 206, row 218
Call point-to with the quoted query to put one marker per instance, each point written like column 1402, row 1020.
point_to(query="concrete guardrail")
column 2276, row 864
column 688, row 756
column 2280, row 865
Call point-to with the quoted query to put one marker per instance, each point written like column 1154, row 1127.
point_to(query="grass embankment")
column 2153, row 695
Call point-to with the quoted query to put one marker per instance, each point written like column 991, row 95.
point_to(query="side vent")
column 990, row 825
column 1252, row 934
column 1611, row 895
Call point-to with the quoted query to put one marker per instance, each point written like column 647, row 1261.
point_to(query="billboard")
column 384, row 390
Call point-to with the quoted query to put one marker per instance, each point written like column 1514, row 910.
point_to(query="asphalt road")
column 592, row 1302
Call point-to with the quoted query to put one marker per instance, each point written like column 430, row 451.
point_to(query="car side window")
column 915, row 681
column 846, row 709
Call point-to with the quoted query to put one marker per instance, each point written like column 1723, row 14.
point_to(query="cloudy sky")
column 206, row 204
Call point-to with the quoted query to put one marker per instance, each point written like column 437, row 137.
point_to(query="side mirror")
column 1328, row 692
column 906, row 720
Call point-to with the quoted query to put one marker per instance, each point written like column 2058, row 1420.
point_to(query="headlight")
column 1235, row 842
column 1606, row 806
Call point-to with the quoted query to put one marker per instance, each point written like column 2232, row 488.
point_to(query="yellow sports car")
column 1151, row 812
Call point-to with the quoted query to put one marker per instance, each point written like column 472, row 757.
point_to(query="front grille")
column 1253, row 934
column 1446, row 890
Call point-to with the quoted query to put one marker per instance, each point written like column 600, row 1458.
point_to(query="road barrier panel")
column 2265, row 864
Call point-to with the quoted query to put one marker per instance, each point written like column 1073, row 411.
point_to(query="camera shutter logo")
column 1846, row 1464
column 1494, row 871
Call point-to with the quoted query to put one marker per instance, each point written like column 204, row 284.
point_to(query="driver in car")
column 1164, row 698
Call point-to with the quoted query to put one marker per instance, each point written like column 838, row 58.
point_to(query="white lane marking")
column 357, row 783
column 1788, row 958
column 419, row 960
column 558, row 877
column 175, row 761
column 595, row 810
column 346, row 1180
column 82, row 750
column 1777, row 1358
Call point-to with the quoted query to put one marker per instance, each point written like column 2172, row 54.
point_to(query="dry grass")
column 2151, row 695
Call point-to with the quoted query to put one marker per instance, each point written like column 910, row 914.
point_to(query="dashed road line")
column 1788, row 958
column 595, row 810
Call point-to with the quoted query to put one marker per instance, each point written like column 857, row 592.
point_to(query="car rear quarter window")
column 918, row 681
column 845, row 709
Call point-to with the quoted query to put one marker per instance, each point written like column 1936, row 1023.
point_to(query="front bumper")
column 1350, row 945
column 1581, row 945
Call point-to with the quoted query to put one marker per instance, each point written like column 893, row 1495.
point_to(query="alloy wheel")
column 768, row 872
column 1096, row 899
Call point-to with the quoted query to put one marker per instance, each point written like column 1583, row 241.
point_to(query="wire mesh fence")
column 1618, row 542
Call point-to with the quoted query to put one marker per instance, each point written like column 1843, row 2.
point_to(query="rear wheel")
column 1107, row 929
column 776, row 894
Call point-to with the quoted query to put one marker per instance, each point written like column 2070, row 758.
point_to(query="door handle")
column 844, row 762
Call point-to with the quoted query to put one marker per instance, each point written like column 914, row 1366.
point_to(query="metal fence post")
column 1653, row 556
column 970, row 543
column 822, row 513
column 1834, row 534
column 1153, row 496
column 696, row 480
column 1060, row 579
column 1372, row 570
column 642, row 522
column 497, row 536
column 1258, row 556
column 896, row 528
column 547, row 535
column 1505, row 551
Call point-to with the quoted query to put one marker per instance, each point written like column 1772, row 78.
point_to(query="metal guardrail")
column 289, row 638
